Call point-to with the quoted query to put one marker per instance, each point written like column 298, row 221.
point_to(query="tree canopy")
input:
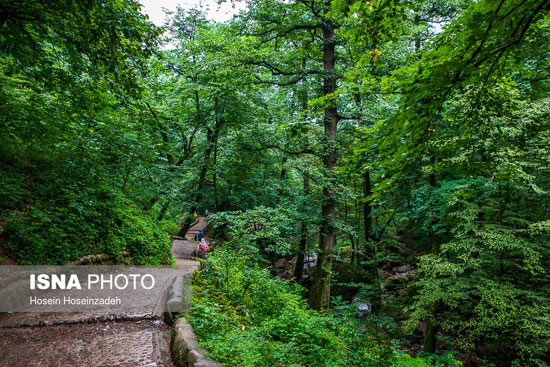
column 389, row 153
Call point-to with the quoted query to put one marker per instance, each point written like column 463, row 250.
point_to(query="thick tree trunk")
column 299, row 268
column 430, row 339
column 432, row 326
column 320, row 291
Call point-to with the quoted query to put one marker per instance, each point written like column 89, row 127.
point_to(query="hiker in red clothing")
column 202, row 249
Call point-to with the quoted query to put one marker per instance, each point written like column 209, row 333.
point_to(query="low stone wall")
column 178, row 298
column 185, row 347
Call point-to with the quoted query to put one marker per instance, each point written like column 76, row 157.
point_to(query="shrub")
column 246, row 317
column 169, row 227
column 77, row 221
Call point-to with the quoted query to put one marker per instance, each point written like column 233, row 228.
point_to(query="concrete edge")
column 178, row 297
column 185, row 348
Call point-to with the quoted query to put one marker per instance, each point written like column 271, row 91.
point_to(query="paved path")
column 184, row 251
column 199, row 225
column 142, row 343
column 87, row 339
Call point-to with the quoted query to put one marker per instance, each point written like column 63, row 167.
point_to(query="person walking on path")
column 202, row 249
column 206, row 213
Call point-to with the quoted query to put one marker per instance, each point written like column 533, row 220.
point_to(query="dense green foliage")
column 398, row 149
column 466, row 149
column 72, row 131
column 247, row 317
column 56, row 220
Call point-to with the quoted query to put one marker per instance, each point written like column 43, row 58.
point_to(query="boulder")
column 403, row 268
column 283, row 264
column 361, row 307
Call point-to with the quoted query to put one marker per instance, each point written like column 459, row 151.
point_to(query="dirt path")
column 86, row 339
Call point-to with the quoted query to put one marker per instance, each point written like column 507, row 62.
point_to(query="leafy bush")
column 246, row 317
column 12, row 189
column 76, row 220
column 261, row 228
column 169, row 227
column 490, row 279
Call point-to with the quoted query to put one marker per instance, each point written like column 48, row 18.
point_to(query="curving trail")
column 200, row 224
column 183, row 250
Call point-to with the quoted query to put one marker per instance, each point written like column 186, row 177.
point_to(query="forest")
column 392, row 154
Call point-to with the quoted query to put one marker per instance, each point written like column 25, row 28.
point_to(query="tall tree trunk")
column 299, row 268
column 215, row 177
column 127, row 176
column 283, row 174
column 166, row 143
column 319, row 297
column 370, row 252
column 434, row 243
column 434, row 240
column 417, row 37
column 187, row 224
column 204, row 167
column 212, row 140
column 283, row 167
column 354, row 249
column 430, row 338
column 367, row 210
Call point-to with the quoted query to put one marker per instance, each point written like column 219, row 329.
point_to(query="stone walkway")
column 85, row 339
column 142, row 343
column 183, row 251
column 199, row 225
